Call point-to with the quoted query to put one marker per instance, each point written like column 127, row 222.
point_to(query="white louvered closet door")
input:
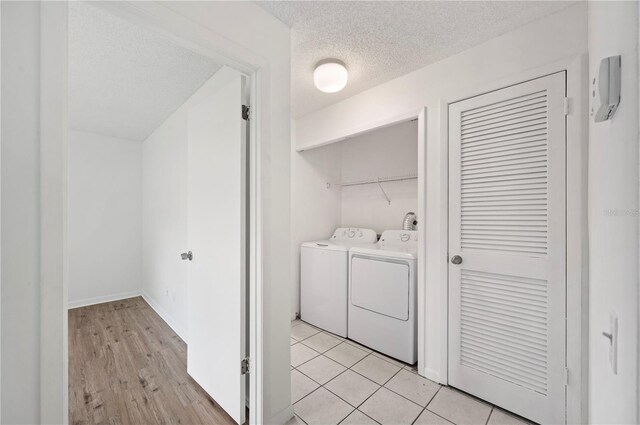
column 507, row 223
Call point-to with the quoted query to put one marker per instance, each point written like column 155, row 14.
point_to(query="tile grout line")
column 490, row 413
column 331, row 348
column 356, row 372
column 306, row 361
column 427, row 405
column 358, row 410
column 322, row 386
column 372, row 394
column 398, row 394
column 328, row 389
column 442, row 417
column 303, row 339
column 419, row 414
column 303, row 421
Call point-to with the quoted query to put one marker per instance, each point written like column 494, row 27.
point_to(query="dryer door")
column 380, row 285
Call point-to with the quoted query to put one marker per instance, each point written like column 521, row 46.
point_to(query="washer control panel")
column 354, row 234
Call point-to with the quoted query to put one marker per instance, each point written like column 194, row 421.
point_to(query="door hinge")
column 245, row 112
column 566, row 376
column 244, row 366
column 566, row 106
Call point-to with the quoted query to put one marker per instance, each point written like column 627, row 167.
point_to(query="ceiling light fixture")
column 330, row 75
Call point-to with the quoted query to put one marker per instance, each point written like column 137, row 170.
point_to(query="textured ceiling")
column 124, row 81
column 381, row 40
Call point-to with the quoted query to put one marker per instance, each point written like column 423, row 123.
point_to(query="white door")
column 507, row 226
column 216, row 237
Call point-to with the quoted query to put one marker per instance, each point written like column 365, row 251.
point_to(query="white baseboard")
column 282, row 417
column 182, row 333
column 103, row 299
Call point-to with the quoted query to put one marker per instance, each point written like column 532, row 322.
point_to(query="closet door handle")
column 456, row 259
column 187, row 256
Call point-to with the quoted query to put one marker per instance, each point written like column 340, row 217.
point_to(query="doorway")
column 175, row 339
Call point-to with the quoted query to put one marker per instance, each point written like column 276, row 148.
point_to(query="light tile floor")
column 337, row 381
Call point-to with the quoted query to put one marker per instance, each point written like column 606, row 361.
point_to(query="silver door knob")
column 456, row 259
column 187, row 256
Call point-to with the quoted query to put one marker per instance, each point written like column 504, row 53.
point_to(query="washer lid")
column 344, row 238
column 326, row 245
column 335, row 245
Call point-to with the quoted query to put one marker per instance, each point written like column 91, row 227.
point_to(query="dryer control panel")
column 399, row 236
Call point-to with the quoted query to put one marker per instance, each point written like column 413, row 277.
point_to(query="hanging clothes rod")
column 375, row 181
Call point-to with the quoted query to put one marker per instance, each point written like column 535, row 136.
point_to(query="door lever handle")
column 187, row 256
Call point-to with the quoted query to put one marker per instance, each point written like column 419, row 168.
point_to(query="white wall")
column 20, row 214
column 613, row 221
column 164, row 211
column 105, row 218
column 556, row 37
column 388, row 152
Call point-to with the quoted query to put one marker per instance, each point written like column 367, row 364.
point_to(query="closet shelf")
column 377, row 181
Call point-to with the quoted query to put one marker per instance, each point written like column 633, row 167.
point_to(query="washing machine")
column 382, row 295
column 324, row 268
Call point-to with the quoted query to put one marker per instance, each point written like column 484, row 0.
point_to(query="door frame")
column 576, row 68
column 54, row 147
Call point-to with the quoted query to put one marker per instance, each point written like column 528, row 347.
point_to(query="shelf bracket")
column 383, row 192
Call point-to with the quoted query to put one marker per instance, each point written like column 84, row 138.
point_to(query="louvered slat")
column 515, row 125
column 497, row 148
column 518, row 332
column 512, row 159
column 520, row 112
column 526, row 341
column 504, row 327
column 504, row 146
column 505, row 105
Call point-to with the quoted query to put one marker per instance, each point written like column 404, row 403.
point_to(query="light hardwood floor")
column 127, row 366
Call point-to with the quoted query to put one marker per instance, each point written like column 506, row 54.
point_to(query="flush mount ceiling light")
column 330, row 75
